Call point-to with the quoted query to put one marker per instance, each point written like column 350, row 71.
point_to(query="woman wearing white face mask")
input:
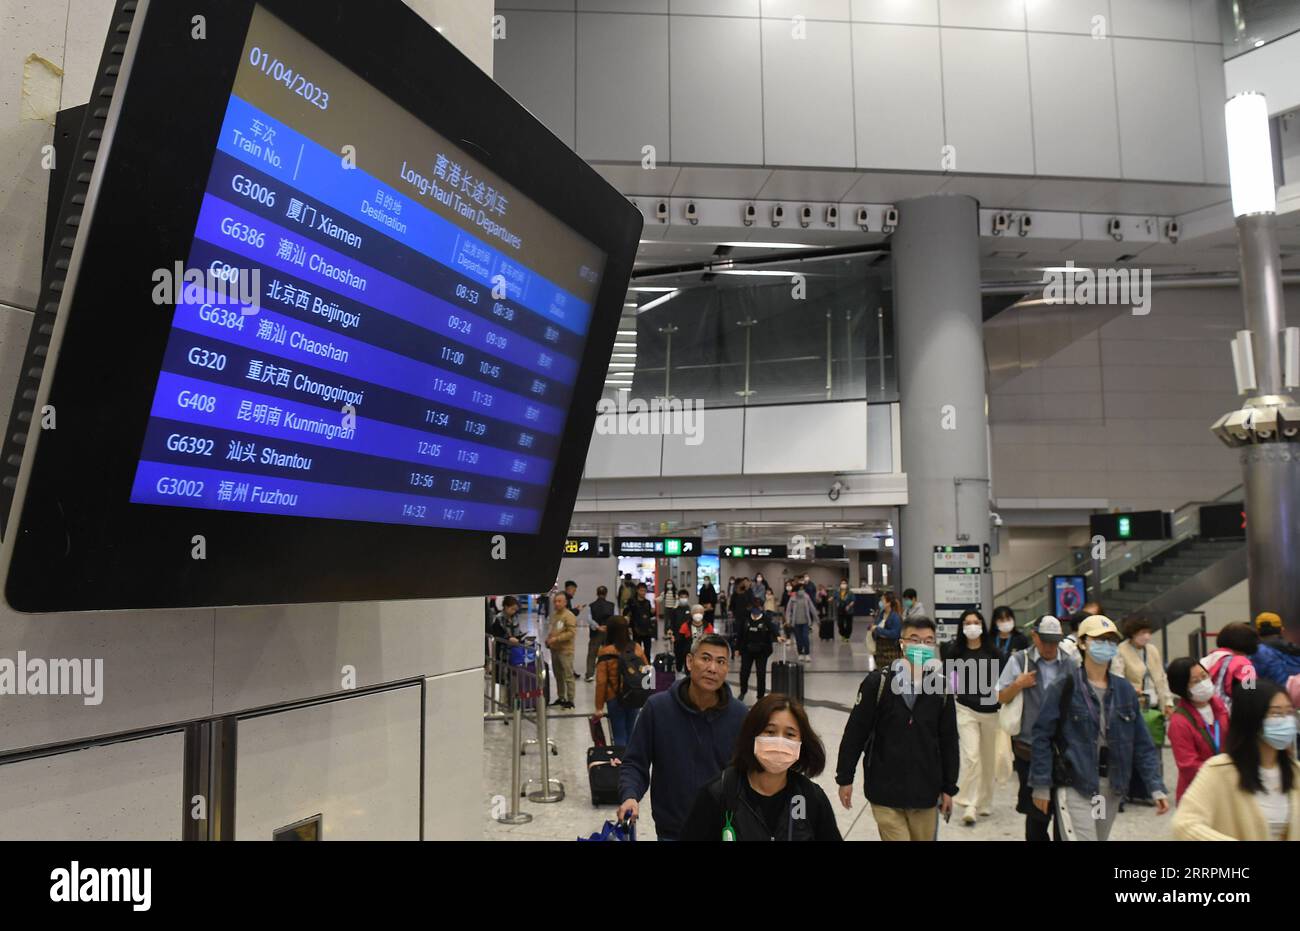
column 1004, row 636
column 767, row 793
column 1252, row 790
column 974, row 667
column 1198, row 728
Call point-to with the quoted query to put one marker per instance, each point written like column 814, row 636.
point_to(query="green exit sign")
column 672, row 546
column 1125, row 527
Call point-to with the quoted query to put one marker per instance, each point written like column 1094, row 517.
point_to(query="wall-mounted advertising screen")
column 1069, row 594
column 367, row 301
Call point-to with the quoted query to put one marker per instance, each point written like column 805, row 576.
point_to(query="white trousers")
column 979, row 737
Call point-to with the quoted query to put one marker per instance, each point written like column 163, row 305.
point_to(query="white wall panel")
column 1076, row 129
column 1075, row 16
column 718, row 453
column 1205, row 23
column 157, row 669
column 717, row 90
column 453, row 744
column 983, row 14
column 615, row 456
column 535, row 61
column 749, row 8
column 908, row 12
column 1159, row 110
column 622, row 99
column 1210, row 83
column 808, row 9
column 355, row 761
column 803, row 128
column 768, row 452
column 622, row 6
column 124, row 791
column 986, row 100
column 1152, row 19
column 265, row 656
column 898, row 96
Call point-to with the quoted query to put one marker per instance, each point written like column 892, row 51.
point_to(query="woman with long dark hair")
column 1198, row 728
column 767, row 793
column 1251, row 792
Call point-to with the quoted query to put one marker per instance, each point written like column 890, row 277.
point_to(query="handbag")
column 1011, row 714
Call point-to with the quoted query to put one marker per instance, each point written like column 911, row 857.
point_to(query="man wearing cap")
column 1278, row 658
column 1093, row 719
column 1029, row 673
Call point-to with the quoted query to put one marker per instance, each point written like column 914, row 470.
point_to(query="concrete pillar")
column 939, row 322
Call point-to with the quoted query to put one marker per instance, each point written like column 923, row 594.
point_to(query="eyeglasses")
column 917, row 641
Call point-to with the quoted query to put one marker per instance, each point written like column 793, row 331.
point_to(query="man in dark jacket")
column 641, row 618
column 682, row 740
column 741, row 600
column 708, row 598
column 906, row 723
column 757, row 635
column 602, row 610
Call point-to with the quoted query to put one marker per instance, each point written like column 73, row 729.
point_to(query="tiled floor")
column 831, row 682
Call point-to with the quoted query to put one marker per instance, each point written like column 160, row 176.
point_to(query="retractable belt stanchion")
column 552, row 790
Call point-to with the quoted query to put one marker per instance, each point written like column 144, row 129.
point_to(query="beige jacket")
column 1128, row 663
column 564, row 628
column 1215, row 808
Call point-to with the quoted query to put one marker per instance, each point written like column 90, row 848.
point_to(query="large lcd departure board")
column 333, row 325
column 418, row 328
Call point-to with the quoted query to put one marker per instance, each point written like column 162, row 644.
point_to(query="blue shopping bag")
column 624, row 831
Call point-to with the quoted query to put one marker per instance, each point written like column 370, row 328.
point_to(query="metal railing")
column 514, row 690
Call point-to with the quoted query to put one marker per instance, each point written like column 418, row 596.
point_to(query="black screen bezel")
column 76, row 541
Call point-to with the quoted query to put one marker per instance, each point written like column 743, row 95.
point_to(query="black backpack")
column 632, row 675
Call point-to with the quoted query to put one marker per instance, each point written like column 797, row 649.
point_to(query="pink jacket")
column 1191, row 747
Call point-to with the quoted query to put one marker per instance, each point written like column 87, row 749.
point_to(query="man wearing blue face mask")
column 904, row 727
column 1087, row 740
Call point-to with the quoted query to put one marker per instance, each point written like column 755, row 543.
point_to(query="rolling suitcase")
column 665, row 671
column 826, row 628
column 787, row 677
column 602, row 774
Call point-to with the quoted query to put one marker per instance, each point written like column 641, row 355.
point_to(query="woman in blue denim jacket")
column 1102, row 739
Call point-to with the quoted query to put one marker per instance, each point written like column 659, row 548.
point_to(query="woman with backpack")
column 1230, row 664
column 614, row 695
column 767, row 792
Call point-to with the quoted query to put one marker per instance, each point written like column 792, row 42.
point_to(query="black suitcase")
column 787, row 678
column 602, row 775
column 826, row 629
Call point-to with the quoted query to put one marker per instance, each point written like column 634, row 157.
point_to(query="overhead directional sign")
column 659, row 546
column 582, row 547
column 753, row 551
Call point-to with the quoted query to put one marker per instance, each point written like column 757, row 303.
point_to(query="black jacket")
column 640, row 617
column 602, row 610
column 740, row 605
column 1019, row 643
column 912, row 756
column 756, row 637
column 708, row 595
column 801, row 811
